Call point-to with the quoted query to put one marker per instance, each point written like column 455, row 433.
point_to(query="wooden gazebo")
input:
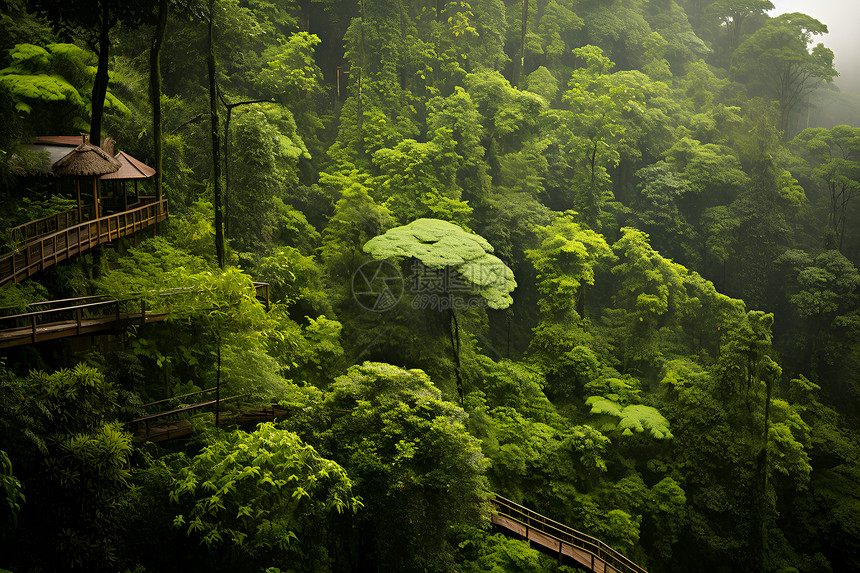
column 84, row 162
column 131, row 169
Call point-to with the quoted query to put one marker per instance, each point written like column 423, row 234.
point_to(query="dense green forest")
column 598, row 256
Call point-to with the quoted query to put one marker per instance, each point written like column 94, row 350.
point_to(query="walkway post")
column 218, row 386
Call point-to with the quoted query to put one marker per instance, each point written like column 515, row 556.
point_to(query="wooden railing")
column 86, row 315
column 48, row 250
column 50, row 224
column 261, row 293
column 76, row 319
column 172, row 398
column 179, row 428
column 559, row 538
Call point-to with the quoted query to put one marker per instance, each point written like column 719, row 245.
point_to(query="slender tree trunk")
column 216, row 143
column 843, row 212
column 523, row 42
column 769, row 389
column 737, row 28
column 155, row 92
column 580, row 302
column 360, row 104
column 101, row 81
column 508, row 312
column 762, row 510
column 591, row 201
column 227, row 171
column 455, row 347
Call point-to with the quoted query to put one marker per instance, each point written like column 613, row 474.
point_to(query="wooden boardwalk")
column 154, row 428
column 86, row 316
column 559, row 539
column 67, row 237
column 567, row 544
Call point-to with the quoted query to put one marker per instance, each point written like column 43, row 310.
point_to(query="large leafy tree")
column 264, row 176
column 418, row 471
column 731, row 14
column 834, row 155
column 820, row 289
column 51, row 86
column 778, row 61
column 420, row 179
column 463, row 257
column 95, row 19
column 565, row 263
column 648, row 287
column 440, row 244
column 357, row 218
column 73, row 457
column 261, row 500
column 596, row 128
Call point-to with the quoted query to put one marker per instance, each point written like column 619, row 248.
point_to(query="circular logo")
column 377, row 286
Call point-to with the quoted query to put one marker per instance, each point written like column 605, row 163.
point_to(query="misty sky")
column 842, row 18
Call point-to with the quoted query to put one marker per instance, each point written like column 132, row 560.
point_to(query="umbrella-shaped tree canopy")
column 439, row 244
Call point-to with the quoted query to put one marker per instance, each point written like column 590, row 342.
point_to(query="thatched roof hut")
column 86, row 160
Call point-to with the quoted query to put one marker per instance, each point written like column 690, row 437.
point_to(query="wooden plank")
column 20, row 336
column 542, row 539
column 578, row 555
column 163, row 432
column 509, row 524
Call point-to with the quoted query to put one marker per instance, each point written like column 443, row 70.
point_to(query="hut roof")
column 86, row 160
column 63, row 140
column 131, row 168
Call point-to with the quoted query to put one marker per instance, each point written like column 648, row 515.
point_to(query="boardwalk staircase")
column 568, row 544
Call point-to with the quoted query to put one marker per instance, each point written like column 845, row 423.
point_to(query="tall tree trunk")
column 359, row 104
column 455, row 347
column 155, row 92
column 523, row 43
column 580, row 302
column 761, row 515
column 216, row 143
column 101, row 81
column 735, row 30
column 508, row 312
column 227, row 171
